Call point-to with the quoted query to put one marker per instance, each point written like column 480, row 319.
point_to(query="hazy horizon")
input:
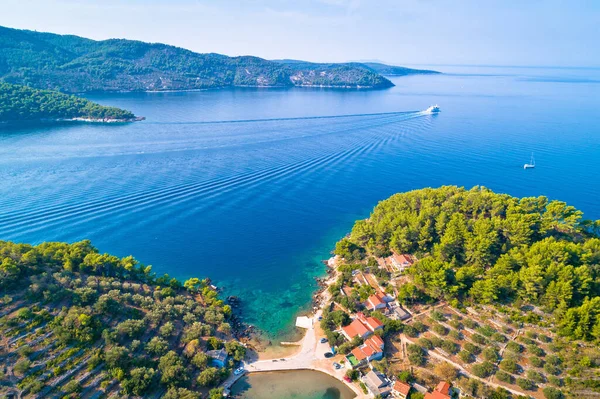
column 411, row 32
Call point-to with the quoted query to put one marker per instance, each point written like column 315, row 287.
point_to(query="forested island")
column 75, row 64
column 503, row 291
column 78, row 323
column 24, row 104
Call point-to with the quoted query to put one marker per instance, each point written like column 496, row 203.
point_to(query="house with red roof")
column 375, row 302
column 346, row 291
column 372, row 323
column 372, row 349
column 356, row 328
column 402, row 261
column 400, row 390
column 442, row 391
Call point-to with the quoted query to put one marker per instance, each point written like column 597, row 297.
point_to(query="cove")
column 249, row 188
column 299, row 384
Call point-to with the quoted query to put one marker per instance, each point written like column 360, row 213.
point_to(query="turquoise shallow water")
column 300, row 384
column 248, row 187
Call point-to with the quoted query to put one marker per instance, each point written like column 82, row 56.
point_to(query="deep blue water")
column 257, row 203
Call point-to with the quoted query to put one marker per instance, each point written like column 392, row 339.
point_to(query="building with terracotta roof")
column 372, row 323
column 436, row 395
column 346, row 291
column 442, row 391
column 371, row 350
column 375, row 302
column 443, row 387
column 400, row 390
column 356, row 328
column 402, row 261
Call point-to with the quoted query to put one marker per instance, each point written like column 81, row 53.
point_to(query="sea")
column 252, row 187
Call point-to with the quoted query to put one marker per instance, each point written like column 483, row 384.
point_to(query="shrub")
column 411, row 331
column 499, row 337
column 555, row 381
column 504, row 377
column 419, row 326
column 456, row 335
column 450, row 347
column 416, row 355
column 479, row 339
column 208, row 377
column 470, row 323
column 483, row 370
column 535, row 350
column 405, row 376
column 486, row 330
column 446, row 371
column 553, row 360
column 437, row 315
column 509, row 365
column 536, row 361
column 531, row 335
column 491, row 355
column 466, row 356
column 456, row 324
column 352, row 374
column 426, row 343
column 553, row 393
column 535, row 376
column 72, row 387
column 437, row 342
column 552, row 370
column 514, row 347
column 526, row 384
column 22, row 366
column 544, row 338
column 440, row 329
column 474, row 349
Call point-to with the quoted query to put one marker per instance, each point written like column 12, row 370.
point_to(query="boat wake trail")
column 291, row 167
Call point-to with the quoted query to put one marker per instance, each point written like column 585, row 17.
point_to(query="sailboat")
column 531, row 163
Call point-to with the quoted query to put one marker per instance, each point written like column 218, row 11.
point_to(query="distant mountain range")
column 74, row 64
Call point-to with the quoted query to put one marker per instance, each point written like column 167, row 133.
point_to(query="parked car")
column 347, row 379
column 328, row 355
column 239, row 371
column 323, row 340
column 337, row 366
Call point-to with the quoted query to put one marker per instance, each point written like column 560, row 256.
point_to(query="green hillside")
column 486, row 248
column 21, row 104
column 75, row 64
column 78, row 323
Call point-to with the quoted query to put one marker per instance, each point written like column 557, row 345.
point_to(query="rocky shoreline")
column 70, row 120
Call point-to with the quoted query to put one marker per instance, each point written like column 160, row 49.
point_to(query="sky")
column 402, row 32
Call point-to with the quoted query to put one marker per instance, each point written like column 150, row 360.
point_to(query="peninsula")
column 75, row 64
column 468, row 290
column 78, row 323
column 19, row 104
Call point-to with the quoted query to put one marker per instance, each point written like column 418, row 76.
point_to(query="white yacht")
column 434, row 109
column 531, row 163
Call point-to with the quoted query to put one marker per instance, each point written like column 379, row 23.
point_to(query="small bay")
column 253, row 187
column 299, row 384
